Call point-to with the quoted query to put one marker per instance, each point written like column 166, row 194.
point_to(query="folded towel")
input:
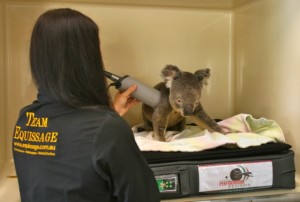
column 242, row 131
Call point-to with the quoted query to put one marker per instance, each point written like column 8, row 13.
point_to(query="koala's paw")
column 159, row 138
column 218, row 129
column 140, row 129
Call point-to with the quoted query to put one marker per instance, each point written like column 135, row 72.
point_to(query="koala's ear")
column 170, row 73
column 203, row 75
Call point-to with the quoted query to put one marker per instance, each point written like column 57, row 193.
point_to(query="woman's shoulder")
column 59, row 112
column 99, row 111
column 103, row 116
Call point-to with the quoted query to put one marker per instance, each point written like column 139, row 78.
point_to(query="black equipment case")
column 223, row 170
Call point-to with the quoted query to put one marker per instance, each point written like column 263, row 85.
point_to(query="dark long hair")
column 65, row 58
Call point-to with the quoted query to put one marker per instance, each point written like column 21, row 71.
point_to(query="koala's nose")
column 188, row 110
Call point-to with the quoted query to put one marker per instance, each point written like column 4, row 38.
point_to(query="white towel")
column 242, row 130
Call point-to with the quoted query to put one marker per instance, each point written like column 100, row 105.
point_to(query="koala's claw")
column 140, row 129
column 218, row 129
column 159, row 138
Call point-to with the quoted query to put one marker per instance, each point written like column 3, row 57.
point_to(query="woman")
column 69, row 145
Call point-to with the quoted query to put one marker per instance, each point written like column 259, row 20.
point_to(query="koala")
column 180, row 98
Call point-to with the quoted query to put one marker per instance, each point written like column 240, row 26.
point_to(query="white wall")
column 268, row 64
column 3, row 151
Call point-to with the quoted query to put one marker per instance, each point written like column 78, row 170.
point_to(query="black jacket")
column 67, row 154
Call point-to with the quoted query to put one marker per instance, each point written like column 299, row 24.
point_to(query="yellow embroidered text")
column 35, row 136
column 35, row 121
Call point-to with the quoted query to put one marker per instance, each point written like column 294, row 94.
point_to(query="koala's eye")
column 197, row 103
column 178, row 101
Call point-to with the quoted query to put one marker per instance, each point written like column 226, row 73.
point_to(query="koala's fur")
column 180, row 98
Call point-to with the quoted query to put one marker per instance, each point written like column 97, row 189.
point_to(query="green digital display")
column 167, row 183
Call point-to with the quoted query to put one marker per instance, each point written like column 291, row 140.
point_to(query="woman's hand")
column 123, row 101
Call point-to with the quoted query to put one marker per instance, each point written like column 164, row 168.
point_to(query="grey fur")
column 180, row 98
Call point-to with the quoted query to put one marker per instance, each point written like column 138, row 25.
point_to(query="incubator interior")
column 251, row 46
